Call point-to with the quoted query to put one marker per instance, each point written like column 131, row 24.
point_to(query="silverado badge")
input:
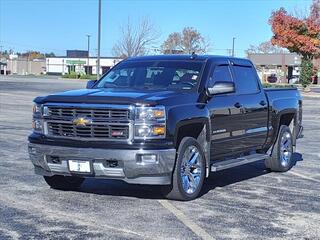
column 81, row 121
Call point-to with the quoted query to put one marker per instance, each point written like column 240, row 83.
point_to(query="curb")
column 310, row 95
column 73, row 79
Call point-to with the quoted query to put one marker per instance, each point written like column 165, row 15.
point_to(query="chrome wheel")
column 191, row 166
column 285, row 149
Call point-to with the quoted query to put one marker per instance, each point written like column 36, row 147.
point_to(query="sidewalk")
column 310, row 94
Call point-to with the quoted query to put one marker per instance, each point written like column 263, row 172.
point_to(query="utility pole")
column 99, row 38
column 233, row 39
column 88, row 36
column 4, row 71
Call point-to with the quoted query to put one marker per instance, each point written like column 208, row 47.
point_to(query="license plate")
column 79, row 166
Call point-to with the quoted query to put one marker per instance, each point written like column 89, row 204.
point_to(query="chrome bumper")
column 129, row 166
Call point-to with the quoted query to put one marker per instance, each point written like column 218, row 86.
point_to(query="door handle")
column 262, row 103
column 237, row 105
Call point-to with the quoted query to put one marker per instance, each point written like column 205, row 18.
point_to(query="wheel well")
column 286, row 119
column 189, row 130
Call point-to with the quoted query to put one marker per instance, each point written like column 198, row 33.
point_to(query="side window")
column 245, row 80
column 220, row 73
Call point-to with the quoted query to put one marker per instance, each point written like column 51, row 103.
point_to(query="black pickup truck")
column 165, row 120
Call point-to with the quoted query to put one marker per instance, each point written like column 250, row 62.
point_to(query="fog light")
column 144, row 159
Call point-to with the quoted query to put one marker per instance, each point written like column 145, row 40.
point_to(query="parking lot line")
column 185, row 220
column 304, row 176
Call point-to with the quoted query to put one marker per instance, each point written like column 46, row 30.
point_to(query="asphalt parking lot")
column 316, row 89
column 246, row 202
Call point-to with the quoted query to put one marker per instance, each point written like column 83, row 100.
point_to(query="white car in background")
column 294, row 79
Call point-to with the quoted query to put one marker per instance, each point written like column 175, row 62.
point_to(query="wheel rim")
column 285, row 149
column 191, row 169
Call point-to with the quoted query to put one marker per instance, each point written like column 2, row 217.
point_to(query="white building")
column 65, row 65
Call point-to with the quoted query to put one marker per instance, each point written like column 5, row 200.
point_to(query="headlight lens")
column 149, row 131
column 37, row 122
column 150, row 113
column 150, row 122
column 36, row 108
column 37, row 125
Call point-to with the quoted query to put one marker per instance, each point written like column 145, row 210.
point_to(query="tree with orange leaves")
column 301, row 36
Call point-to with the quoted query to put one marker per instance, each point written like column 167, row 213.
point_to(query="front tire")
column 189, row 172
column 64, row 182
column 281, row 158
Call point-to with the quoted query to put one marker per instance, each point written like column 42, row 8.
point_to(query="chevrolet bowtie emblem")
column 81, row 121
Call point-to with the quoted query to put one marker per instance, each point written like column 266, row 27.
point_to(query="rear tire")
column 189, row 172
column 281, row 158
column 64, row 182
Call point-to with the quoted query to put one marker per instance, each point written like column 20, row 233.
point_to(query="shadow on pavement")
column 218, row 179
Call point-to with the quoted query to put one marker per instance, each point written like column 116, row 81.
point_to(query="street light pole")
column 99, row 37
column 88, row 36
column 233, row 39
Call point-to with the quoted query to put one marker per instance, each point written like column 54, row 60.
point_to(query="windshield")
column 155, row 75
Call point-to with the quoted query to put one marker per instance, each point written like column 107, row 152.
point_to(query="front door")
column 225, row 116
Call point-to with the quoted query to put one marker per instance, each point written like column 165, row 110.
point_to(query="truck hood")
column 118, row 96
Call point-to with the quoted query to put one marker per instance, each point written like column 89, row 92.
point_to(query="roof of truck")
column 178, row 57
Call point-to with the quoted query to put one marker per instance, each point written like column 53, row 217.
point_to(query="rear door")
column 253, row 102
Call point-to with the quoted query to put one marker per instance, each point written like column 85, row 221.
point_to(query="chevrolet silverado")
column 166, row 120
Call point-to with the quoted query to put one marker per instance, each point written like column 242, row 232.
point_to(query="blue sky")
column 57, row 25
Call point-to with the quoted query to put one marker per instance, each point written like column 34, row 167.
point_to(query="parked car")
column 294, row 79
column 165, row 120
column 272, row 78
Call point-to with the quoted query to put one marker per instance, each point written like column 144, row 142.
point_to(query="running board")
column 221, row 165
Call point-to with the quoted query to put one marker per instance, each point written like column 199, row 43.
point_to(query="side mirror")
column 91, row 83
column 221, row 88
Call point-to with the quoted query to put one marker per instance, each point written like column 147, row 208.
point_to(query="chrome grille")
column 105, row 114
column 107, row 122
column 99, row 131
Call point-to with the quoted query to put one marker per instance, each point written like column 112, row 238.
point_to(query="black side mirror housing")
column 221, row 88
column 91, row 83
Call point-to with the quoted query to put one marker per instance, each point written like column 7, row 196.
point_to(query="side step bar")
column 221, row 165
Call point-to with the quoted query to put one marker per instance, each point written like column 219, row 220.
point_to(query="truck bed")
column 274, row 94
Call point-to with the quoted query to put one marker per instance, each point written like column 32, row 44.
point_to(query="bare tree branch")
column 265, row 47
column 315, row 12
column 135, row 40
column 186, row 42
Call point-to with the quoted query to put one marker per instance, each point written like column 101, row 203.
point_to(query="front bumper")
column 124, row 164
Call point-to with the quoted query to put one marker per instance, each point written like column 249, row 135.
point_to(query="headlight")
column 36, row 109
column 150, row 122
column 37, row 125
column 37, row 121
column 149, row 131
column 145, row 114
